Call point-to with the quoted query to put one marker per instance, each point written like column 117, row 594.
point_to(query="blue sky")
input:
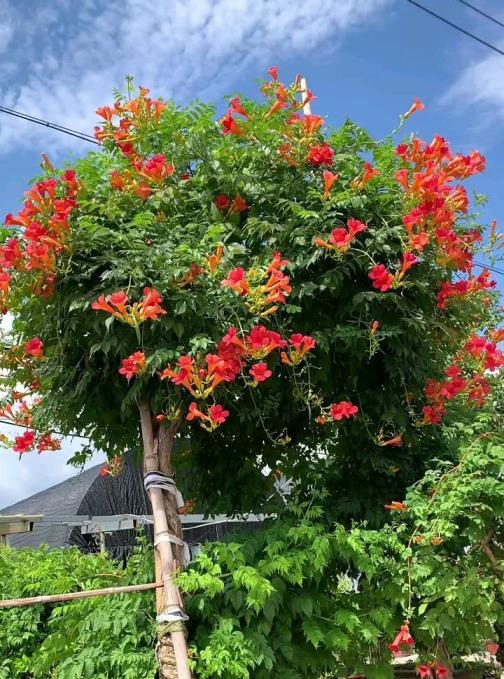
column 364, row 59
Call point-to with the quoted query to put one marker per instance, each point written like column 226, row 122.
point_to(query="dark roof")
column 63, row 498
column 86, row 493
column 89, row 494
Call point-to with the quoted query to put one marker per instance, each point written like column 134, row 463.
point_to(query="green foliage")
column 305, row 598
column 103, row 637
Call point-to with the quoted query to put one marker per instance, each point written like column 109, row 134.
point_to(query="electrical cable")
column 490, row 268
column 456, row 27
column 57, row 433
column 52, row 126
column 487, row 16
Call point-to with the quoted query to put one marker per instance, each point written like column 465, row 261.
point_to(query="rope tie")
column 167, row 483
column 164, row 482
column 168, row 628
column 168, row 537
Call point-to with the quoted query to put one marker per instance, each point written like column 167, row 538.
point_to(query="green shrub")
column 103, row 637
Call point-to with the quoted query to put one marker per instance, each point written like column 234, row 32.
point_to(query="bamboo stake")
column 72, row 596
column 171, row 596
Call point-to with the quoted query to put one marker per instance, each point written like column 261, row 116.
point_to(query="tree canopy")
column 369, row 235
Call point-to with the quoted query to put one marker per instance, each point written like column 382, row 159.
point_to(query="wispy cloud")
column 480, row 88
column 179, row 48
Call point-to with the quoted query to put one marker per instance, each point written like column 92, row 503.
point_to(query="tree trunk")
column 171, row 648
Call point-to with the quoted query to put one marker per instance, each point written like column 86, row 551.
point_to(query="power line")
column 456, row 27
column 487, row 16
column 57, row 433
column 490, row 268
column 45, row 123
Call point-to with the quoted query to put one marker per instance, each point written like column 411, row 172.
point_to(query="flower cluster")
column 463, row 288
column 134, row 365
column 383, row 280
column 134, row 117
column 341, row 238
column 113, row 467
column 229, row 205
column 117, row 304
column 299, row 346
column 29, row 440
column 433, row 669
column 263, row 289
column 19, row 415
column 435, row 202
column 466, row 376
column 143, row 177
column 201, row 376
column 229, row 125
column 213, row 418
column 343, row 410
column 44, row 226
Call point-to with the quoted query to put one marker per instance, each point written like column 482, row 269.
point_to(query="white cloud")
column 480, row 86
column 179, row 48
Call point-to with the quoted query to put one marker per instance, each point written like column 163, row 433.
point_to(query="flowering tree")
column 277, row 297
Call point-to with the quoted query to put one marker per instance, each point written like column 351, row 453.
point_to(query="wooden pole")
column 72, row 596
column 165, row 565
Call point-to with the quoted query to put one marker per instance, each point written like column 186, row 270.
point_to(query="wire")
column 487, row 16
column 458, row 28
column 53, row 126
column 58, row 433
column 490, row 268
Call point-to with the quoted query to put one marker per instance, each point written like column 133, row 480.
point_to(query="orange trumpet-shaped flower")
column 368, row 174
column 403, row 639
column 230, row 126
column 106, row 112
column 341, row 239
column 215, row 259
column 282, row 97
column 236, row 107
column 216, row 416
column 396, row 441
column 238, row 205
column 408, row 260
column 273, row 72
column 312, row 123
column 415, row 106
column 396, row 506
column 237, row 281
column 329, row 179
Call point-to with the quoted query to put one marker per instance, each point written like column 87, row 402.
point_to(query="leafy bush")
column 304, row 598
column 104, row 637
